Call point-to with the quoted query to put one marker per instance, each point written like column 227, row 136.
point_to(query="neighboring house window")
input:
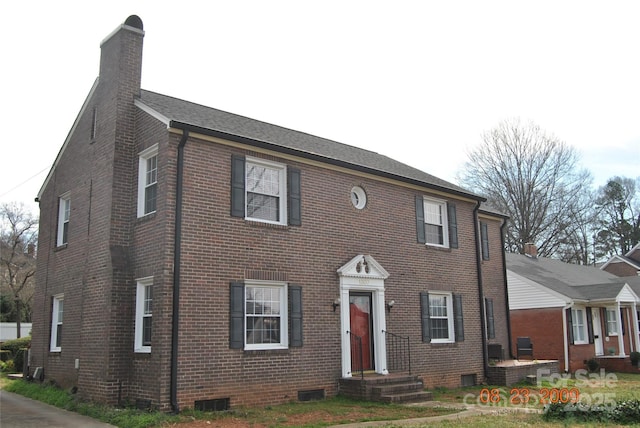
column 144, row 313
column 262, row 312
column 64, row 211
column 612, row 322
column 148, row 181
column 578, row 324
column 484, row 238
column 56, row 323
column 436, row 222
column 441, row 317
column 265, row 191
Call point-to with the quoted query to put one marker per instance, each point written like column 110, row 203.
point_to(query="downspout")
column 177, row 240
column 506, row 287
column 566, row 336
column 483, row 328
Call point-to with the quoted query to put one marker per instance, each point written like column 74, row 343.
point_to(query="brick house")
column 572, row 313
column 626, row 265
column 194, row 257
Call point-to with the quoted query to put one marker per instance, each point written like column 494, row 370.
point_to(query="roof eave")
column 337, row 162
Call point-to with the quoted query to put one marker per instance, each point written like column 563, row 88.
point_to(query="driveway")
column 17, row 411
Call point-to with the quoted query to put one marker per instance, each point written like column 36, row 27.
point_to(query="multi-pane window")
column 64, row 212
column 144, row 314
column 56, row 323
column 435, row 219
column 578, row 325
column 441, row 313
column 148, row 181
column 612, row 322
column 265, row 191
column 265, row 316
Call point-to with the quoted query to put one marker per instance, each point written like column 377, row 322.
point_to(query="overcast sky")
column 419, row 81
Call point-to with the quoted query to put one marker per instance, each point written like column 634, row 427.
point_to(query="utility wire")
column 25, row 181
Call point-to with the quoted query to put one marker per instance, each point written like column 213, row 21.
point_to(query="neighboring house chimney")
column 531, row 250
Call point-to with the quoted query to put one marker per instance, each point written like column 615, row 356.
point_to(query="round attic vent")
column 134, row 21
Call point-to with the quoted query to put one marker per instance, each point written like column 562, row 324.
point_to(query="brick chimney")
column 531, row 250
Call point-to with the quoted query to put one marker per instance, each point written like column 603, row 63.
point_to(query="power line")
column 25, row 181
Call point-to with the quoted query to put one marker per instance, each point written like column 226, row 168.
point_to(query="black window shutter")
column 237, row 186
column 484, row 236
column 491, row 327
column 236, row 318
column 425, row 317
column 420, row 220
column 589, row 325
column 453, row 225
column 293, row 195
column 458, row 317
column 295, row 315
column 570, row 326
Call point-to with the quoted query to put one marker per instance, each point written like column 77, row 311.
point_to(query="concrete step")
column 407, row 397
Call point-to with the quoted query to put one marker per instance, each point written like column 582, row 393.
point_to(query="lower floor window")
column 578, row 325
column 265, row 316
column 144, row 315
column 56, row 323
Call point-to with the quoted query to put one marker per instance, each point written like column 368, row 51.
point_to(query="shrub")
column 623, row 412
column 593, row 365
column 16, row 348
column 7, row 366
column 635, row 358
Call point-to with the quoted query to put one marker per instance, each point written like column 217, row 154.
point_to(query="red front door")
column 361, row 340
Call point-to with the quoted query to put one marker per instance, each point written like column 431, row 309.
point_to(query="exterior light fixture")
column 336, row 303
column 390, row 305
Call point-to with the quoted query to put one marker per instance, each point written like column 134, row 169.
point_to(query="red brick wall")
column 544, row 327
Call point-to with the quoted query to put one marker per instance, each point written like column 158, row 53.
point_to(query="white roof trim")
column 636, row 247
column 619, row 260
column 151, row 112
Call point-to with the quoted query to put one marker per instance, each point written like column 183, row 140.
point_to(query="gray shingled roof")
column 574, row 281
column 184, row 113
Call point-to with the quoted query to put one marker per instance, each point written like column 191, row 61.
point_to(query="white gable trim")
column 151, row 112
column 618, row 259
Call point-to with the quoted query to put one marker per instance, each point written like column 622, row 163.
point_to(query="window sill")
column 60, row 247
column 255, row 223
column 146, row 217
column 259, row 352
column 438, row 247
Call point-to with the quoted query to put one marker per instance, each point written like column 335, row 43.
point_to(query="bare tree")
column 618, row 206
column 18, row 241
column 532, row 177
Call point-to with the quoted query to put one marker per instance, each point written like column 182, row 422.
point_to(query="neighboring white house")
column 9, row 330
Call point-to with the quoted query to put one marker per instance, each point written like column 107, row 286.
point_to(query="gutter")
column 566, row 337
column 177, row 240
column 483, row 328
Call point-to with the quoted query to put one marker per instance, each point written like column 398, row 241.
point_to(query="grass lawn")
column 501, row 406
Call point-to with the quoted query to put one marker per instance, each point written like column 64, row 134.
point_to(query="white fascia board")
column 151, row 112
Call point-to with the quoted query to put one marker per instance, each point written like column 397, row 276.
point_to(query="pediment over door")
column 363, row 266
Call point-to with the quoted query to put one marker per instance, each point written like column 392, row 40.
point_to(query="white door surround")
column 363, row 273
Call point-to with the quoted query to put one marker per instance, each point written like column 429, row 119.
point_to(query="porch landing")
column 391, row 388
column 509, row 372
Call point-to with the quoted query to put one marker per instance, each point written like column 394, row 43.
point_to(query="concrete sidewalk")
column 17, row 411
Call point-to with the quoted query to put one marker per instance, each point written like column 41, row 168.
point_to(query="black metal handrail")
column 357, row 361
column 398, row 352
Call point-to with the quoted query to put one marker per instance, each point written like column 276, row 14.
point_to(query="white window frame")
column 282, row 189
column 57, row 316
column 143, row 156
column 281, row 287
column 611, row 331
column 64, row 213
column 579, row 326
column 444, row 220
column 141, row 286
column 449, row 317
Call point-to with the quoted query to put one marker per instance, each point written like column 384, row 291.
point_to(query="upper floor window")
column 436, row 222
column 144, row 313
column 265, row 191
column 147, row 181
column 64, row 212
column 56, row 323
column 578, row 326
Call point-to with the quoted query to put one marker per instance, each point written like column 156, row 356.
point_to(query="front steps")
column 392, row 388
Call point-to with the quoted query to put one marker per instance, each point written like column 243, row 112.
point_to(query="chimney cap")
column 134, row 21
